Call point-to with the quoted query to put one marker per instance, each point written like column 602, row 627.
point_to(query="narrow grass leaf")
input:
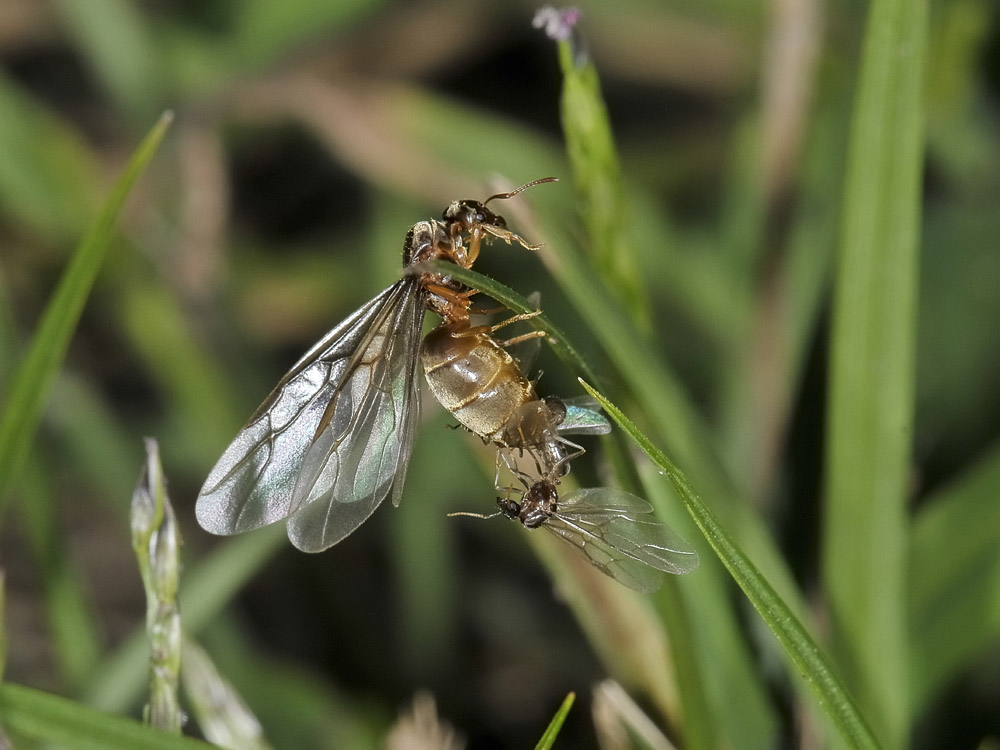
column 954, row 579
column 700, row 727
column 222, row 714
column 720, row 707
column 552, row 731
column 804, row 652
column 117, row 46
column 37, row 372
column 873, row 368
column 52, row 719
column 647, row 381
column 267, row 30
column 598, row 178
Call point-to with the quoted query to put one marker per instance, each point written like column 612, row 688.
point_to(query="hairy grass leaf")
column 802, row 649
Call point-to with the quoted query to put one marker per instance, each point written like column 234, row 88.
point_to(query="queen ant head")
column 467, row 215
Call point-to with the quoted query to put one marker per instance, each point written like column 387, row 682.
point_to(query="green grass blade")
column 954, row 579
column 48, row 718
column 647, row 381
column 515, row 303
column 804, row 652
column 113, row 37
column 222, row 714
column 668, row 406
column 552, row 731
column 597, row 174
column 34, row 378
column 873, row 368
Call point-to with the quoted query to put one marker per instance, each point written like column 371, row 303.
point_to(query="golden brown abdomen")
column 474, row 378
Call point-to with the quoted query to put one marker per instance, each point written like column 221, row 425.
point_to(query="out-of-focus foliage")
column 308, row 136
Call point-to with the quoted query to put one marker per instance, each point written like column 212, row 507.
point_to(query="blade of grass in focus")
column 803, row 651
column 589, row 608
column 740, row 697
column 34, row 378
column 552, row 731
column 514, row 302
column 873, row 336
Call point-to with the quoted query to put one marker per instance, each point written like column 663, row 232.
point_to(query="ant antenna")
column 473, row 515
column 515, row 191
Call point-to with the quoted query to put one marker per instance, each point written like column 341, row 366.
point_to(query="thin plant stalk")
column 155, row 541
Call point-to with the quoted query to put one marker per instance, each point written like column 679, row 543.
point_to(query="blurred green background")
column 309, row 135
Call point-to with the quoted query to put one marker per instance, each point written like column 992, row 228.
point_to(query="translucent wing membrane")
column 335, row 435
column 583, row 417
column 620, row 536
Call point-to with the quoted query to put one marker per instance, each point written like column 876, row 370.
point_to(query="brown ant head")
column 538, row 504
column 467, row 214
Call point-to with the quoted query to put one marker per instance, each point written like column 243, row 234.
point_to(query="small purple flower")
column 557, row 23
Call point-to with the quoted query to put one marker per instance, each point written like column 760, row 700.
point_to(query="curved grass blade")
column 515, row 303
column 52, row 719
column 804, row 652
column 33, row 379
column 552, row 731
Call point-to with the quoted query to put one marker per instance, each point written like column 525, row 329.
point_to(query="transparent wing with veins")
column 619, row 535
column 583, row 417
column 334, row 437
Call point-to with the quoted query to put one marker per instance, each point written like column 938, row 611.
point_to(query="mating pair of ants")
column 334, row 437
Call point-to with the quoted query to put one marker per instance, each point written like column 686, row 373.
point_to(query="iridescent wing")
column 334, row 436
column 583, row 417
column 620, row 537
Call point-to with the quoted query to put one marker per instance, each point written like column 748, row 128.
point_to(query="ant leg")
column 522, row 338
column 517, row 319
column 510, row 463
column 510, row 237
